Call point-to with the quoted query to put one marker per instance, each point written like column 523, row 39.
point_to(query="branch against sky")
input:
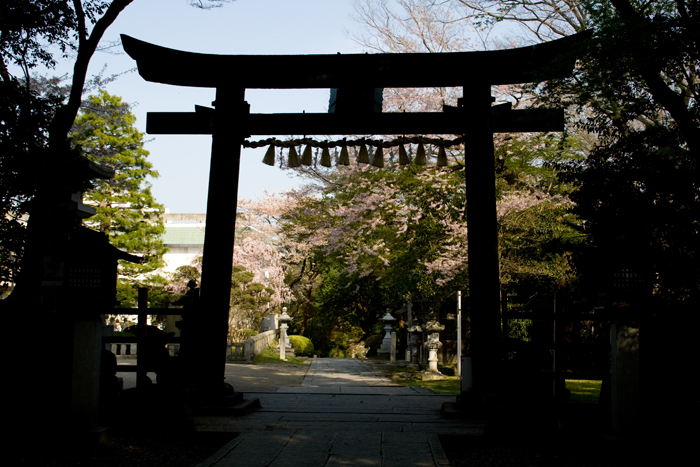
column 541, row 20
column 411, row 26
column 208, row 4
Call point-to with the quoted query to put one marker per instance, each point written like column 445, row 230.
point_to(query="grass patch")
column 269, row 355
column 382, row 357
column 407, row 377
column 584, row 390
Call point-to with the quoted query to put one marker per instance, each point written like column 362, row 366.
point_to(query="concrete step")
column 231, row 405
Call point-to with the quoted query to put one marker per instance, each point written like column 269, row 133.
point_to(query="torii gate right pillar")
column 482, row 237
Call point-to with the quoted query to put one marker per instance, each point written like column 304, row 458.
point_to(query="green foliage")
column 636, row 89
column 30, row 28
column 124, row 334
column 27, row 166
column 344, row 341
column 248, row 333
column 248, row 301
column 336, row 352
column 401, row 233
column 374, row 341
column 159, row 295
column 186, row 273
column 302, row 346
column 126, row 210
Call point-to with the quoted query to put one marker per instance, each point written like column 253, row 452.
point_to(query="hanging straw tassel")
column 269, row 158
column 326, row 158
column 307, row 157
column 379, row 158
column 363, row 157
column 344, row 158
column 403, row 157
column 293, row 158
column 442, row 157
column 420, row 155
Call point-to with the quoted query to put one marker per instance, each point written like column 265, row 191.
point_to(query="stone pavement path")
column 344, row 413
column 348, row 376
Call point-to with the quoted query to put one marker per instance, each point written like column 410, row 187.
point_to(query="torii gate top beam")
column 402, row 70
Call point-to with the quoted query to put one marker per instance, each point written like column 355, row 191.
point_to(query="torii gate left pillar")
column 206, row 351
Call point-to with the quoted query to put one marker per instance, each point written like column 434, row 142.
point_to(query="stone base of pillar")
column 288, row 352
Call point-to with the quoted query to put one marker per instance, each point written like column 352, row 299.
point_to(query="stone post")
column 85, row 378
column 392, row 358
column 284, row 319
column 624, row 378
column 283, row 338
column 433, row 328
column 414, row 342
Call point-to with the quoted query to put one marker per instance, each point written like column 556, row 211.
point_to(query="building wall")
column 184, row 236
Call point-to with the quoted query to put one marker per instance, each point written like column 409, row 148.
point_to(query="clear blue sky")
column 242, row 27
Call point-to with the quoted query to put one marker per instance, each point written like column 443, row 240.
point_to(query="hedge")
column 302, row 345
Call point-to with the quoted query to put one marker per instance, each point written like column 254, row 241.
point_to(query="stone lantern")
column 284, row 345
column 432, row 328
column 414, row 342
column 386, row 342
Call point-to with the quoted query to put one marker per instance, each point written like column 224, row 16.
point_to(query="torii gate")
column 231, row 122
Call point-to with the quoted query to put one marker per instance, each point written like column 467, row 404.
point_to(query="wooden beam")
column 535, row 63
column 199, row 123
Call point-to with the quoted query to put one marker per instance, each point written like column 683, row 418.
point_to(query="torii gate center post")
column 230, row 122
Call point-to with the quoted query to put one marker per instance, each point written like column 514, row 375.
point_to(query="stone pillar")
column 85, row 378
column 409, row 323
column 392, row 358
column 624, row 400
column 466, row 381
column 283, row 341
column 414, row 345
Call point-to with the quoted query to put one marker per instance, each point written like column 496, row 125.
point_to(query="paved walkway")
column 348, row 376
column 344, row 413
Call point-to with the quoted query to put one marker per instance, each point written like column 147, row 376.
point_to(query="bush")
column 336, row 353
column 302, row 345
column 248, row 333
column 123, row 334
column 374, row 341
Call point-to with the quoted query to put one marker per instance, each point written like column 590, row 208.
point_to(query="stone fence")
column 123, row 350
column 246, row 351
column 235, row 351
column 129, row 350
